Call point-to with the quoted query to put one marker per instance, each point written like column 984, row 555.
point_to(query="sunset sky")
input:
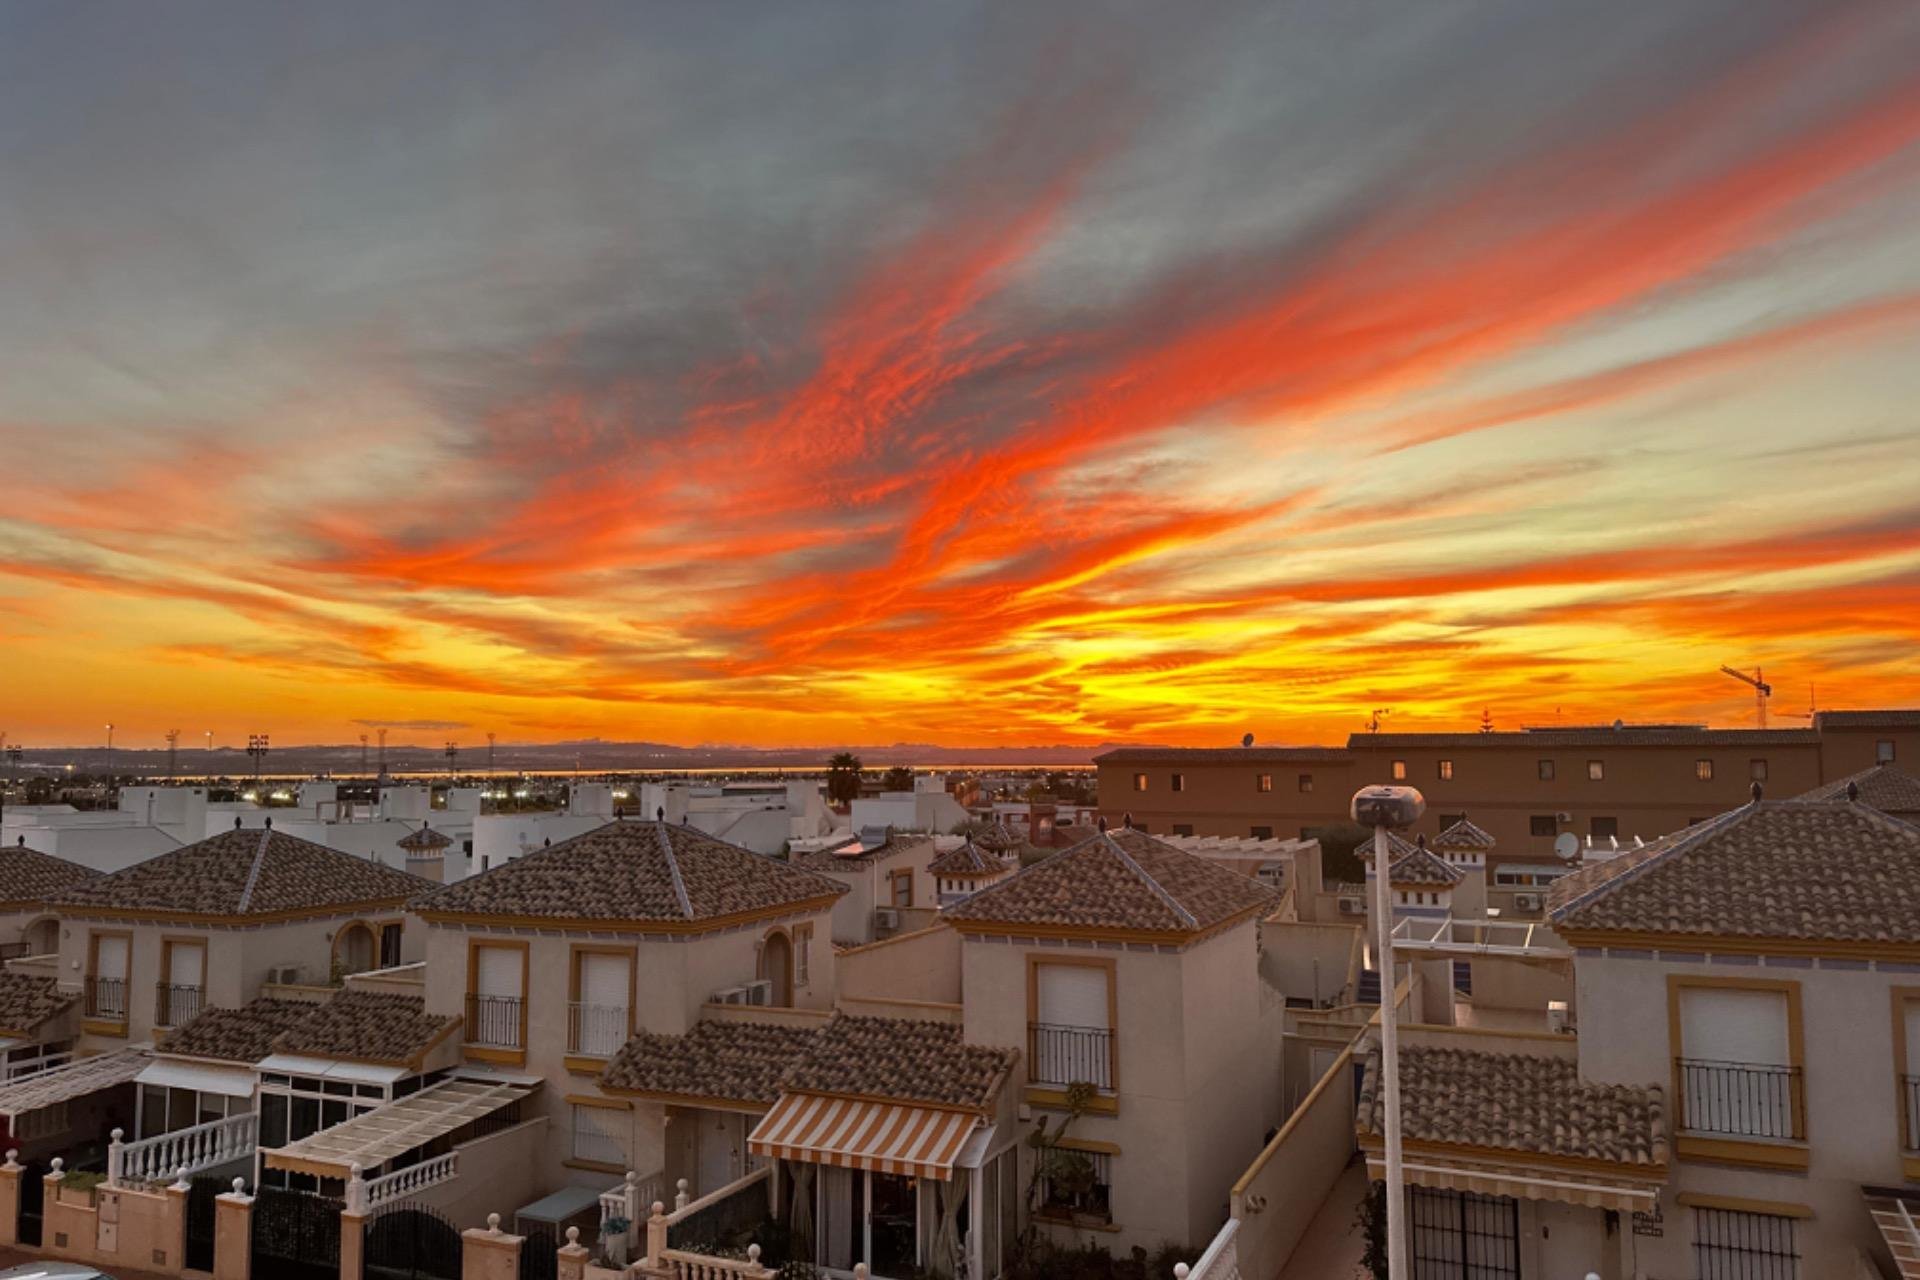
column 977, row 374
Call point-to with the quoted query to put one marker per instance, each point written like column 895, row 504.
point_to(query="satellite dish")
column 1567, row 845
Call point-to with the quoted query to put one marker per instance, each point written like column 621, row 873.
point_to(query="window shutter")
column 1728, row 1025
column 498, row 972
column 187, row 966
column 603, row 980
column 1073, row 995
column 110, row 958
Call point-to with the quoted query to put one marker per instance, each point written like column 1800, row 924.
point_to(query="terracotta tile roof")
column 365, row 1026
column 1123, row 880
column 425, row 840
column 900, row 1060
column 1424, row 866
column 29, row 877
column 632, row 871
column 1224, row 755
column 1463, row 835
column 1525, row 1104
column 1626, row 736
column 735, row 1061
column 28, row 999
column 1887, row 718
column 830, row 860
column 967, row 859
column 1884, row 787
column 1398, row 847
column 246, row 1034
column 245, row 873
column 996, row 839
column 1780, row 869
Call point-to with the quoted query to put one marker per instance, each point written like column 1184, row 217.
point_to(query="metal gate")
column 1461, row 1236
column 201, row 1192
column 296, row 1235
column 33, row 1202
column 408, row 1242
column 540, row 1254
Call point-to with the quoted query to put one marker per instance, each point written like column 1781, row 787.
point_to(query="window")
column 1399, row 770
column 1077, row 1184
column 900, row 885
column 1260, row 833
column 1177, row 782
column 1263, row 783
column 597, row 1136
column 802, row 954
column 1883, row 751
column 41, row 1122
column 1545, row 768
column 1757, row 1245
column 1462, row 1236
column 1757, row 770
column 1071, row 1033
column 1604, row 828
column 1703, row 770
column 1306, row 782
column 182, row 986
column 389, row 945
column 496, row 995
column 1543, row 824
column 1139, row 782
column 1444, row 771
column 1183, row 828
column 1736, row 1060
column 107, row 977
column 599, row 1018
column 1596, row 771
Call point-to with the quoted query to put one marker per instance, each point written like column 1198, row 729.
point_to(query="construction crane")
column 1812, row 712
column 1761, row 691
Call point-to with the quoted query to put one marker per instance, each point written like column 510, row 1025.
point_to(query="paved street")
column 14, row 1258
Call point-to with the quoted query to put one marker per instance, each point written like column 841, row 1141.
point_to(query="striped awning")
column 880, row 1137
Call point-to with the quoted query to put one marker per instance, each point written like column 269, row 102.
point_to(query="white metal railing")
column 14, row 1070
column 597, row 1030
column 184, row 1151
column 415, row 1177
column 1221, row 1261
column 631, row 1200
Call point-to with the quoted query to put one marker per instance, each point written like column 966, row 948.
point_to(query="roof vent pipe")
column 1756, row 791
column 1853, row 791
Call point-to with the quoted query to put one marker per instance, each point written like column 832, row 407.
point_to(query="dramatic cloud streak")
column 972, row 377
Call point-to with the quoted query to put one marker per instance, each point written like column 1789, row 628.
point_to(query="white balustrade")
column 182, row 1152
column 1220, row 1261
column 415, row 1177
column 698, row 1266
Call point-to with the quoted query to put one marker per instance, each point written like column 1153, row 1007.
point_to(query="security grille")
column 1744, row 1246
column 1461, row 1236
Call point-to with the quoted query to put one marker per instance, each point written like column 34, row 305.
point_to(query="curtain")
column 802, row 1215
column 948, row 1257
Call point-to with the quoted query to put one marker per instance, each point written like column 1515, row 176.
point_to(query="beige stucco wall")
column 1852, row 1104
column 912, row 966
column 1292, row 1174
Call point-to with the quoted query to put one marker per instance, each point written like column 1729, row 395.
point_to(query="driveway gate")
column 296, row 1235
column 408, row 1242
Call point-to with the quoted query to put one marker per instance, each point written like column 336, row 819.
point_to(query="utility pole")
column 173, row 753
column 383, row 754
column 489, row 757
column 453, row 754
column 109, row 764
column 209, row 737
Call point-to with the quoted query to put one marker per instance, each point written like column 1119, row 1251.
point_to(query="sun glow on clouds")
column 1556, row 431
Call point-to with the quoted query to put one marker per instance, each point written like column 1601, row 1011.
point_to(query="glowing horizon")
column 972, row 376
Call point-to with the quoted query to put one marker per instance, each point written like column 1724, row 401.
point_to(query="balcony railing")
column 1070, row 1055
column 176, row 1005
column 107, row 999
column 596, row 1030
column 494, row 1022
column 1743, row 1099
column 182, row 1152
column 14, row 950
column 1910, row 1100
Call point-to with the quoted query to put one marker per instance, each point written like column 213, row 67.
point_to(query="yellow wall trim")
column 1760, row 1155
column 1773, row 1208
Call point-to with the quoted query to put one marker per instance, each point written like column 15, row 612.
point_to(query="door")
column 495, row 1017
column 605, row 984
column 776, row 965
column 181, row 995
column 720, row 1149
column 1460, row 1236
column 108, row 998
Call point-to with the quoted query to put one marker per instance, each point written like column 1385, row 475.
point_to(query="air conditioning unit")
column 285, row 975
column 1526, row 901
column 886, row 918
column 1352, row 907
column 1563, row 818
column 760, row 992
column 730, row 995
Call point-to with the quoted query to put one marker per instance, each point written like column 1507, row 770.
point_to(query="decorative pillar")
column 656, row 1234
column 573, row 1257
column 10, row 1198
column 489, row 1253
column 680, row 1197
column 174, row 1233
column 117, row 1159
column 53, row 1239
column 233, row 1234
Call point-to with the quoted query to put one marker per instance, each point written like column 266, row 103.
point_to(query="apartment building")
column 28, row 881
column 1601, row 783
column 888, row 880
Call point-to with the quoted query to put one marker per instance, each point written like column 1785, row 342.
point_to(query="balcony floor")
column 1332, row 1247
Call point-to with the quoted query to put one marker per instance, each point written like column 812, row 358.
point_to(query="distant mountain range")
column 590, row 756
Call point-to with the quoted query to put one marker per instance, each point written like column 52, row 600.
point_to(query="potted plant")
column 613, row 1234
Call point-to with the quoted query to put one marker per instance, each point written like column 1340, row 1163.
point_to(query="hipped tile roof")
column 245, row 873
column 1463, row 835
column 29, row 877
column 1524, row 1104
column 644, row 872
column 1119, row 880
column 1794, row 870
column 1884, row 787
column 28, row 999
column 246, row 1034
column 1424, row 867
column 900, row 1060
column 734, row 1061
column 965, row 860
column 365, row 1026
column 829, row 860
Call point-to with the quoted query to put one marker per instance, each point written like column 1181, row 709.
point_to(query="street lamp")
column 109, row 764
column 1389, row 809
column 257, row 747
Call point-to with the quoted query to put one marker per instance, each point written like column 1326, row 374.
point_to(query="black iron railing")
column 1069, row 1055
column 1740, row 1098
column 176, row 1005
column 107, row 998
column 494, row 1021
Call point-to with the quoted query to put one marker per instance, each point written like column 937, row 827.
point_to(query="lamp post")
column 257, row 747
column 109, row 764
column 1389, row 809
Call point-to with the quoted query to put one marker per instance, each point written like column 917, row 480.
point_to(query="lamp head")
column 1395, row 808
